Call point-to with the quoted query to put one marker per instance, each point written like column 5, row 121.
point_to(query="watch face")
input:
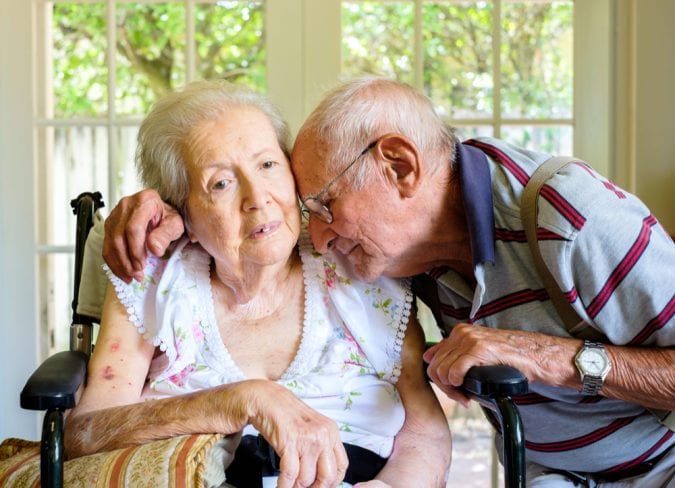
column 593, row 362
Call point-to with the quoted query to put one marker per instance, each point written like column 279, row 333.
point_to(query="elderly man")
column 386, row 183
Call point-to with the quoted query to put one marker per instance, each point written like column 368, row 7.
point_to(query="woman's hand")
column 372, row 484
column 307, row 442
column 139, row 222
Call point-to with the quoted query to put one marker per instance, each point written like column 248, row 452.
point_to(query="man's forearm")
column 645, row 376
column 224, row 409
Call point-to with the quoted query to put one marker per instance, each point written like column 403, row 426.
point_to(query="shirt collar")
column 476, row 188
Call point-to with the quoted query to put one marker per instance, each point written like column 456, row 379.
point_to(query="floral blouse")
column 349, row 357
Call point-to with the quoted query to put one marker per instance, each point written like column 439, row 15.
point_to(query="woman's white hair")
column 360, row 110
column 163, row 134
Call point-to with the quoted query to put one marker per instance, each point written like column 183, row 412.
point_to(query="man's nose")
column 322, row 235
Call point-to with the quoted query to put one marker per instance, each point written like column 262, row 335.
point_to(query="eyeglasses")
column 315, row 206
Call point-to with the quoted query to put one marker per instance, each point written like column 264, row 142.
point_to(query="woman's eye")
column 221, row 184
column 269, row 164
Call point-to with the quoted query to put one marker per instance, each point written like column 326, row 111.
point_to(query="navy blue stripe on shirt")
column 643, row 457
column 511, row 300
column 623, row 268
column 582, row 441
column 655, row 324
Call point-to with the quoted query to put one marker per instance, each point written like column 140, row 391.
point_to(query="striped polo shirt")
column 616, row 266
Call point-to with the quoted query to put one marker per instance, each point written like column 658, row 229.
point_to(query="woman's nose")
column 255, row 194
column 321, row 233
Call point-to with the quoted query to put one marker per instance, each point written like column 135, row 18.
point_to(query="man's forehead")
column 308, row 162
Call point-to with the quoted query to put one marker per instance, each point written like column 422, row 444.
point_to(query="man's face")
column 364, row 221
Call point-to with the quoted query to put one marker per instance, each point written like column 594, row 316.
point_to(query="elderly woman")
column 244, row 328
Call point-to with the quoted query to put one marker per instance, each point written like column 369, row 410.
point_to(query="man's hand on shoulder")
column 139, row 223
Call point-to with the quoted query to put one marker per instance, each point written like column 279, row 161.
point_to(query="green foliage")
column 457, row 43
column 150, row 52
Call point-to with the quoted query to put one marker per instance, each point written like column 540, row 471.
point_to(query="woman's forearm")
column 225, row 409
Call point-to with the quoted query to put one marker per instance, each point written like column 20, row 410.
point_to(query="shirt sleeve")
column 619, row 261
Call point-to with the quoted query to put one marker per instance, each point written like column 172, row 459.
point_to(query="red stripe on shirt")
column 571, row 295
column 530, row 399
column 564, row 207
column 642, row 458
column 511, row 300
column 461, row 313
column 623, row 268
column 495, row 153
column 507, row 235
column 582, row 441
column 607, row 184
column 655, row 324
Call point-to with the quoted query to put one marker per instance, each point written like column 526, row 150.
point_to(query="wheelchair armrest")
column 55, row 383
column 494, row 381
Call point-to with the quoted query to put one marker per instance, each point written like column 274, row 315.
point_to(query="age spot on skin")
column 108, row 373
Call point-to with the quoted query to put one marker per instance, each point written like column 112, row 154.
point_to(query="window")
column 500, row 68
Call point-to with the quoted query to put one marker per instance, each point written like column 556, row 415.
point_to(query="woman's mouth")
column 263, row 230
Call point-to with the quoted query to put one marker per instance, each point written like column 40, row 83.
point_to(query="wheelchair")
column 54, row 386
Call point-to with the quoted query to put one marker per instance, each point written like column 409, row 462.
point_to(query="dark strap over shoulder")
column 528, row 214
column 425, row 288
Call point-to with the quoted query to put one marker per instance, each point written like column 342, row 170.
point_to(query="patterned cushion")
column 176, row 462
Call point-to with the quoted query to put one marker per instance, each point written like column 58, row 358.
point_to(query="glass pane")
column 56, row 291
column 378, row 38
column 465, row 132
column 537, row 59
column 230, row 43
column 127, row 181
column 150, row 54
column 75, row 162
column 79, row 77
column 458, row 57
column 550, row 139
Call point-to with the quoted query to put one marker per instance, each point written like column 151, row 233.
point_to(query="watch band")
column 591, row 385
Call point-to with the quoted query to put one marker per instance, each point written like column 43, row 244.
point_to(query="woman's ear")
column 188, row 227
column 403, row 166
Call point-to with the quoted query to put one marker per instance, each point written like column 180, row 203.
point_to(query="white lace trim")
column 215, row 352
column 400, row 320
column 311, row 339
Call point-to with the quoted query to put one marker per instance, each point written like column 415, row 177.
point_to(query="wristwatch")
column 593, row 364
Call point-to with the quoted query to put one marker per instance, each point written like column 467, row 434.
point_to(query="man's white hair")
column 162, row 137
column 358, row 111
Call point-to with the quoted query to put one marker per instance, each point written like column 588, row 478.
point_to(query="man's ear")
column 403, row 166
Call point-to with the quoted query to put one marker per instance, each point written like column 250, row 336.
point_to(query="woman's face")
column 241, row 205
